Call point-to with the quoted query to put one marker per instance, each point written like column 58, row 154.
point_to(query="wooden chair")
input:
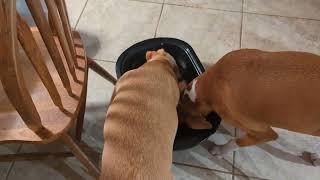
column 43, row 80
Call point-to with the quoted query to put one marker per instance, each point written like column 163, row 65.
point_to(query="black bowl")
column 189, row 66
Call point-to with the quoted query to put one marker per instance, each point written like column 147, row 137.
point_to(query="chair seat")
column 13, row 128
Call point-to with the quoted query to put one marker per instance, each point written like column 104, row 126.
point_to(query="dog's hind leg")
column 257, row 137
column 317, row 133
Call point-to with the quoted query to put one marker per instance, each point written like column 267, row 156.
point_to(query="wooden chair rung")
column 34, row 156
column 102, row 72
column 51, row 5
column 33, row 52
column 47, row 35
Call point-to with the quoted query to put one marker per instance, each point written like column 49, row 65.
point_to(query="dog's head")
column 193, row 113
column 162, row 55
column 195, row 110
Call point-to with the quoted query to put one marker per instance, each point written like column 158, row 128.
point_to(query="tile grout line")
column 204, row 168
column 241, row 27
column 234, row 156
column 147, row 1
column 244, row 12
column 235, row 129
column 172, row 4
column 159, row 19
column 85, row 5
column 233, row 161
column 12, row 164
column 289, row 17
column 189, row 6
column 215, row 170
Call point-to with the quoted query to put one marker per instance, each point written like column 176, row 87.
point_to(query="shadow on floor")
column 91, row 42
column 279, row 153
column 93, row 125
column 63, row 168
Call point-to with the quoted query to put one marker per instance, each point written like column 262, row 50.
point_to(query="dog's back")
column 141, row 124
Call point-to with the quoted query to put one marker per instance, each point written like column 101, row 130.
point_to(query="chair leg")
column 80, row 155
column 101, row 71
column 80, row 118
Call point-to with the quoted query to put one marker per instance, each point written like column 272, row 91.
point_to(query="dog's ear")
column 161, row 51
column 182, row 85
column 149, row 55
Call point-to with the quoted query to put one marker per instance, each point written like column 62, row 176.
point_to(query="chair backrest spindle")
column 34, row 54
column 10, row 73
column 67, row 28
column 47, row 35
column 43, row 75
column 62, row 37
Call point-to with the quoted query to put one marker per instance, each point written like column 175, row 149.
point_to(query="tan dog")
column 141, row 121
column 255, row 90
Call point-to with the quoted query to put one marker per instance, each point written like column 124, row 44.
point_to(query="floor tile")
column 279, row 159
column 75, row 8
column 292, row 8
column 211, row 33
column 232, row 5
column 108, row 27
column 191, row 173
column 49, row 169
column 247, row 178
column 226, row 129
column 280, row 33
column 199, row 156
column 155, row 1
column 5, row 166
column 98, row 97
column 52, row 147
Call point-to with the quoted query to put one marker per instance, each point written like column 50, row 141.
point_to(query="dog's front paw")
column 315, row 159
column 217, row 151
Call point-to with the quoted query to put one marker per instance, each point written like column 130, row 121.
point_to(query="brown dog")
column 141, row 121
column 255, row 90
column 189, row 114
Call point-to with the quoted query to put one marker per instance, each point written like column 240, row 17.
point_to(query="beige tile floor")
column 213, row 28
